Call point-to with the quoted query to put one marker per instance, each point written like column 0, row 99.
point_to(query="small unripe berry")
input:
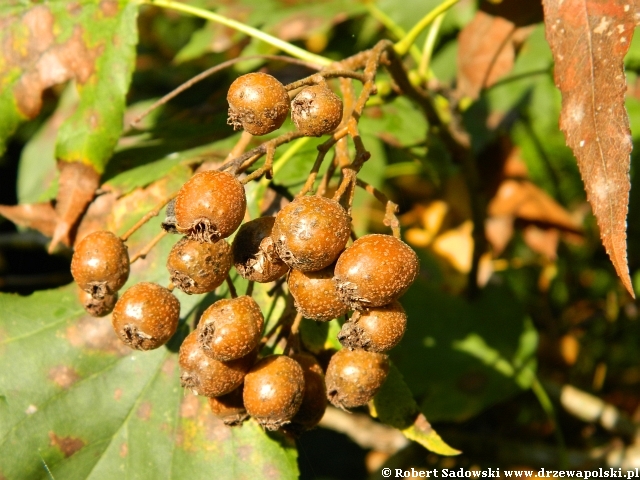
column 254, row 253
column 355, row 376
column 258, row 103
column 100, row 264
column 316, row 110
column 197, row 267
column 314, row 401
column 146, row 316
column 273, row 391
column 97, row 307
column 376, row 329
column 206, row 376
column 315, row 294
column 310, row 232
column 230, row 328
column 229, row 408
column 375, row 270
column 210, row 206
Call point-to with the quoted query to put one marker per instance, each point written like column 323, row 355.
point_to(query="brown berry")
column 210, row 206
column 97, row 307
column 258, row 103
column 273, row 391
column 355, row 376
column 376, row 329
column 315, row 294
column 146, row 316
column 254, row 253
column 230, row 328
column 100, row 264
column 310, row 232
column 229, row 408
column 197, row 267
column 314, row 401
column 206, row 376
column 375, row 270
column 316, row 110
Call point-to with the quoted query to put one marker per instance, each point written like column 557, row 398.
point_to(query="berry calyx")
column 258, row 103
column 355, row 376
column 229, row 407
column 375, row 270
column 146, row 316
column 100, row 264
column 197, row 267
column 97, row 307
column 210, row 206
column 315, row 294
column 206, row 376
column 310, row 232
column 273, row 391
column 254, row 253
column 230, row 328
column 316, row 110
column 376, row 329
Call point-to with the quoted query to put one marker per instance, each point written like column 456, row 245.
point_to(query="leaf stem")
column 403, row 46
column 396, row 30
column 241, row 27
column 429, row 44
column 546, row 404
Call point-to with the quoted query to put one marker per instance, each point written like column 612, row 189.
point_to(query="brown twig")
column 267, row 167
column 320, row 77
column 148, row 247
column 322, row 152
column 232, row 287
column 391, row 208
column 147, row 217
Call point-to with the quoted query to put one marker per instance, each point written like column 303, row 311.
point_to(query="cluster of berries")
column 307, row 242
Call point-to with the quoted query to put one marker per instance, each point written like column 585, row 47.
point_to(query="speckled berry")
column 310, row 232
column 146, row 316
column 314, row 401
column 230, row 328
column 376, row 329
column 316, row 110
column 206, row 376
column 273, row 391
column 210, row 206
column 254, row 253
column 100, row 264
column 229, row 408
column 97, row 307
column 258, row 103
column 315, row 294
column 355, row 376
column 196, row 267
column 375, row 270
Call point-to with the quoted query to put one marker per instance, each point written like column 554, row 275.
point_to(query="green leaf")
column 82, row 404
column 50, row 44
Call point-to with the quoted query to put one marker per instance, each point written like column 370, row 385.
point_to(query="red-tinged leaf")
column 589, row 39
column 488, row 44
column 39, row 216
column 78, row 183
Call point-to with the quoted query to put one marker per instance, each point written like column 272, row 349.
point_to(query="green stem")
column 396, row 30
column 547, row 406
column 241, row 27
column 429, row 44
column 403, row 46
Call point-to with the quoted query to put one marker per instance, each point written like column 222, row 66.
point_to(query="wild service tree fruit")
column 97, row 307
column 254, row 252
column 229, row 408
column 316, row 110
column 314, row 401
column 196, row 267
column 375, row 329
column 315, row 294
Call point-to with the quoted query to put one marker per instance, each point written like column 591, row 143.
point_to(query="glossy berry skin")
column 314, row 401
column 97, row 307
column 355, row 376
column 100, row 264
column 310, row 232
column 376, row 329
column 315, row 294
column 316, row 111
column 258, row 103
column 146, row 316
column 254, row 253
column 206, row 376
column 273, row 391
column 229, row 408
column 210, row 206
column 230, row 328
column 196, row 267
column 375, row 270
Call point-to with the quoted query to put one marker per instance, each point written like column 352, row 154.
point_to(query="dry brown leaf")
column 488, row 44
column 589, row 39
column 39, row 216
column 542, row 240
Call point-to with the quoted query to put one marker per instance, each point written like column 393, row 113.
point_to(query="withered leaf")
column 39, row 216
column 589, row 39
column 488, row 44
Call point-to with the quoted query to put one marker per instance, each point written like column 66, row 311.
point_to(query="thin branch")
column 147, row 217
column 148, row 247
column 391, row 208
